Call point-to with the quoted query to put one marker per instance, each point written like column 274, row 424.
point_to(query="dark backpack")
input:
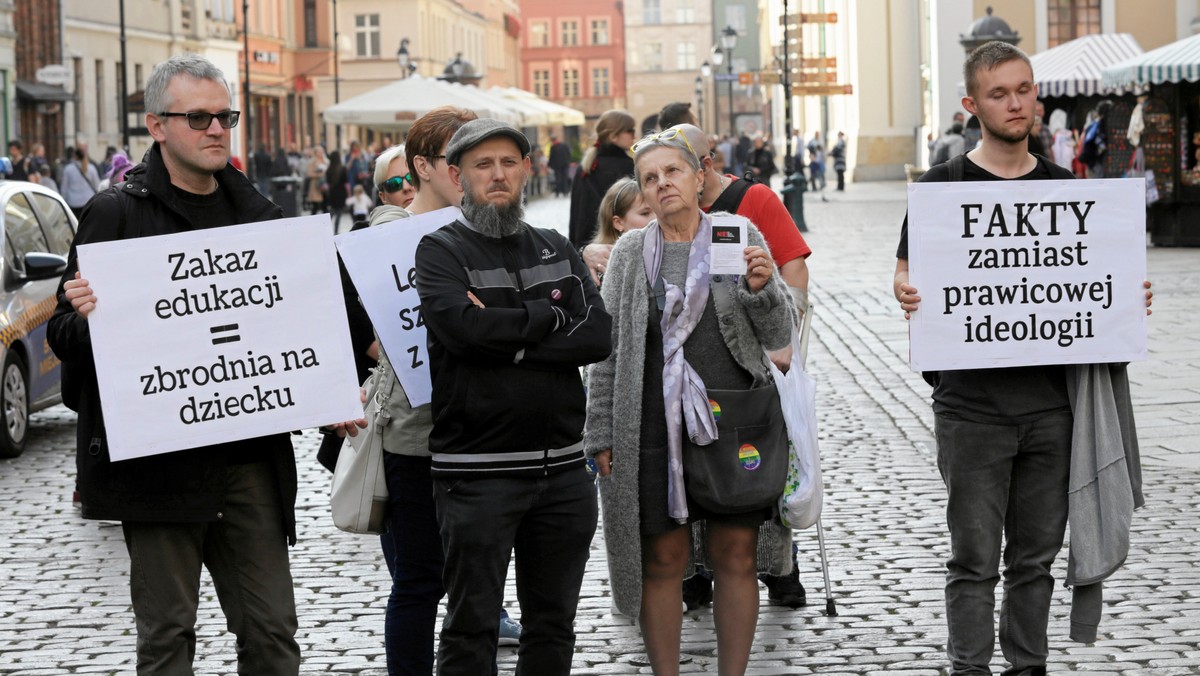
column 731, row 198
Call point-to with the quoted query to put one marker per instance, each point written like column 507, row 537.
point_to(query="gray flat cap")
column 477, row 131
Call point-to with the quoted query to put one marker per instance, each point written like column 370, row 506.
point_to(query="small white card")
column 728, row 252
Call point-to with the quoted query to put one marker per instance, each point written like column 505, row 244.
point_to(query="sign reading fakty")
column 1017, row 273
column 382, row 262
column 219, row 335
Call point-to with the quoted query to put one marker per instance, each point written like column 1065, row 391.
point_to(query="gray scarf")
column 684, row 394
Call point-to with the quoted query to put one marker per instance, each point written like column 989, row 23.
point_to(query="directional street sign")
column 726, row 77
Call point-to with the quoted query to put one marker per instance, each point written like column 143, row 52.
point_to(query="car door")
column 27, row 305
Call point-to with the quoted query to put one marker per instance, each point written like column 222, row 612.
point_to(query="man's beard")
column 1008, row 137
column 492, row 220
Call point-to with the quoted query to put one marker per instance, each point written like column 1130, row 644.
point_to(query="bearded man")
column 511, row 314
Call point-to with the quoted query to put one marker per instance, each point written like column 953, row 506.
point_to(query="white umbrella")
column 399, row 104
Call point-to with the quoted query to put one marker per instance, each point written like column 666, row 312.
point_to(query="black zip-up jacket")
column 507, row 395
column 183, row 486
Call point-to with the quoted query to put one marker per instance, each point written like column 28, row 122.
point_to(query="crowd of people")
column 497, row 464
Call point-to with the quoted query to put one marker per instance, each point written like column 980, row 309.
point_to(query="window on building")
column 366, row 36
column 539, row 34
column 138, row 80
column 685, row 56
column 600, row 82
column 653, row 52
column 541, row 83
column 570, row 33
column 1070, row 19
column 99, row 95
column 735, row 15
column 599, row 31
column 571, row 83
column 652, row 11
column 685, row 12
column 310, row 23
column 119, row 83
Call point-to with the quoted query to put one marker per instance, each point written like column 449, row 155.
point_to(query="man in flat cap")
column 511, row 314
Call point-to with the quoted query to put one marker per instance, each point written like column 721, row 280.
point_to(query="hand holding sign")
column 79, row 292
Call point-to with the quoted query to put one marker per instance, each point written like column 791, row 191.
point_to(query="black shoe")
column 785, row 591
column 697, row 592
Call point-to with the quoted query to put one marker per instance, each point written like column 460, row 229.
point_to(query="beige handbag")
column 359, row 494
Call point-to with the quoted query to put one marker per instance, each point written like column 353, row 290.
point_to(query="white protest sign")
column 1017, row 273
column 382, row 262
column 727, row 254
column 219, row 335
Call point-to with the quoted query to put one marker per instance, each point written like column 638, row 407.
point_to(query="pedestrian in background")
column 317, row 187
column 336, row 191
column 1006, row 436
column 262, row 170
column 46, row 178
column 560, row 164
column 602, row 165
column 635, row 429
column 228, row 508
column 762, row 160
column 79, row 182
column 838, row 153
column 508, row 409
column 119, row 165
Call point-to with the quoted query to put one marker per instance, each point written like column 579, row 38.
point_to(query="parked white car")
column 38, row 229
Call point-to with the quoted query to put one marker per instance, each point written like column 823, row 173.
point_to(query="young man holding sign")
column 1005, row 436
column 511, row 316
column 228, row 507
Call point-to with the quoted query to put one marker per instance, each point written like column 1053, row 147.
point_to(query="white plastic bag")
column 358, row 497
column 800, row 504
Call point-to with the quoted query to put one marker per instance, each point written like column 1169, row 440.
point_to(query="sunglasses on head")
column 666, row 135
column 396, row 183
column 200, row 121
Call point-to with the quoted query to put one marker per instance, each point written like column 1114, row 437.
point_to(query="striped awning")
column 1074, row 68
column 1176, row 62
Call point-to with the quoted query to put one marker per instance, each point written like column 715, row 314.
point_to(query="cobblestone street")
column 64, row 602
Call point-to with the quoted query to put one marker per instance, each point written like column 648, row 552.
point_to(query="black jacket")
column 611, row 165
column 506, row 376
column 183, row 486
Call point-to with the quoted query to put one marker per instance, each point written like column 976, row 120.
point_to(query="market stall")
column 1170, row 118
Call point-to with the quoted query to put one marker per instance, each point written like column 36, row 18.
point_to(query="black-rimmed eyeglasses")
column 200, row 121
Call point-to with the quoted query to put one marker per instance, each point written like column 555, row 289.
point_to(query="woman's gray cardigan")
column 614, row 407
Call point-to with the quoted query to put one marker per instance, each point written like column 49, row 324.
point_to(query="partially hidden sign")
column 382, row 262
column 1018, row 273
column 219, row 335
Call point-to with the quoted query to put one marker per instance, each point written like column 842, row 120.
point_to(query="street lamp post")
column 705, row 73
column 700, row 100
column 246, row 107
column 729, row 38
column 337, row 92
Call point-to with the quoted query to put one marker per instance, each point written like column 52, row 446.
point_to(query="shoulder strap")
column 956, row 165
column 731, row 198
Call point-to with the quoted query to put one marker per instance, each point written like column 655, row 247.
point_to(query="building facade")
column 40, row 108
column 573, row 53
column 666, row 43
column 434, row 33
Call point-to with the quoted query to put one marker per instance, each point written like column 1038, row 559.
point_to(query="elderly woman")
column 711, row 333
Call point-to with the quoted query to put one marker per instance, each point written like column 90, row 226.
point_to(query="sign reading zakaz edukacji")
column 220, row 334
column 1017, row 273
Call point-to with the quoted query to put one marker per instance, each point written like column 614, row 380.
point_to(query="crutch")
column 803, row 301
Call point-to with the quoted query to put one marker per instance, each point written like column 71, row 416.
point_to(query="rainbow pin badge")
column 749, row 457
column 716, row 409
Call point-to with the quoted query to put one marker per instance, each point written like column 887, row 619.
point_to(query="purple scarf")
column 684, row 394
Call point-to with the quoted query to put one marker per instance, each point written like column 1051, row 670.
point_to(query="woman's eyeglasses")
column 200, row 121
column 666, row 135
column 396, row 183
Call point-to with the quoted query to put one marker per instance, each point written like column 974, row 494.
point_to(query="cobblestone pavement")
column 64, row 598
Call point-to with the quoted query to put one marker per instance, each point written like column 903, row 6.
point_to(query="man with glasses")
column 228, row 507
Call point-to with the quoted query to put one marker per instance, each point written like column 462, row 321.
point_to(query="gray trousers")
column 1008, row 480
column 245, row 552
